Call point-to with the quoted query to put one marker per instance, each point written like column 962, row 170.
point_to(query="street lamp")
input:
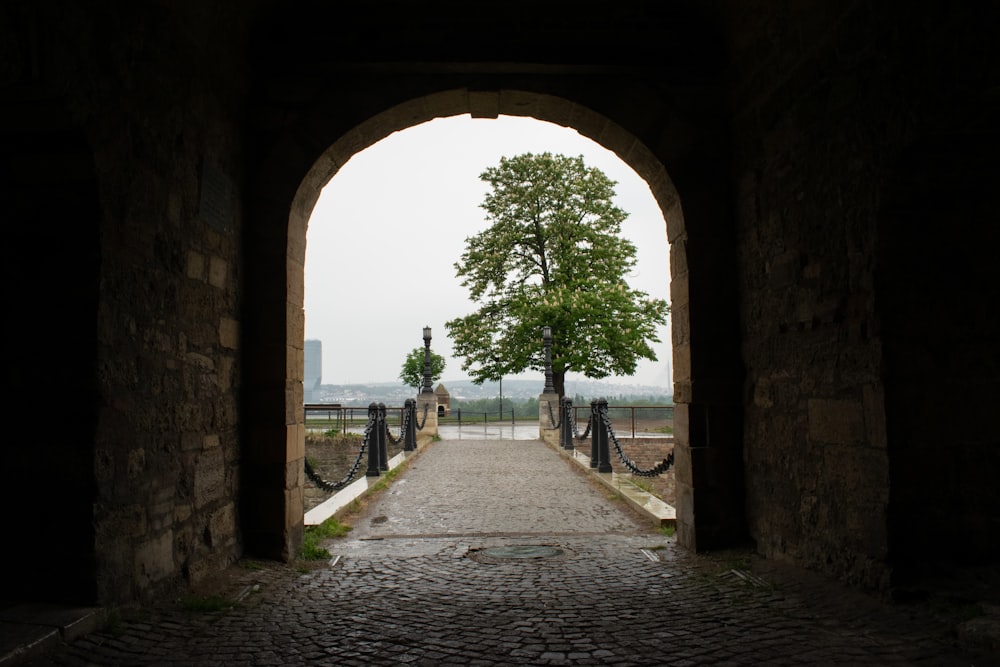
column 547, row 340
column 427, row 362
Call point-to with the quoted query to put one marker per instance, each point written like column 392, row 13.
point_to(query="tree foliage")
column 552, row 255
column 412, row 373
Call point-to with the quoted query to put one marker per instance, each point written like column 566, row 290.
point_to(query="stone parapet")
column 427, row 404
column 549, row 418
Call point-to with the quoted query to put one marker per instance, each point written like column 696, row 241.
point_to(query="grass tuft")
column 329, row 529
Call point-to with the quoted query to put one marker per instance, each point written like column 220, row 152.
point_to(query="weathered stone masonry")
column 827, row 173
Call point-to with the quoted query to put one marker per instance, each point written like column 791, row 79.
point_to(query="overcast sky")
column 388, row 228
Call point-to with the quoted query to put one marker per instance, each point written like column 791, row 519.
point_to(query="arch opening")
column 718, row 466
column 310, row 196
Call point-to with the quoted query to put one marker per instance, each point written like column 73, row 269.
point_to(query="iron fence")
column 639, row 418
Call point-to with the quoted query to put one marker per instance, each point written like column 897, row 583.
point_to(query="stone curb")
column 646, row 503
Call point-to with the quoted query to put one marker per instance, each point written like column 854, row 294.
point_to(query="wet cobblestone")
column 407, row 589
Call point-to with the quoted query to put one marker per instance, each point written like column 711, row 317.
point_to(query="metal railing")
column 376, row 436
column 337, row 417
column 601, row 431
column 636, row 416
column 461, row 417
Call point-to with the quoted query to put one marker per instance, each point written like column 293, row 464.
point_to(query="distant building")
column 312, row 378
column 443, row 400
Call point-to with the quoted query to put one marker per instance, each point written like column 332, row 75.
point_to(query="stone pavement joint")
column 413, row 584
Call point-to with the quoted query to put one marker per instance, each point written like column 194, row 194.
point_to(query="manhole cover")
column 517, row 552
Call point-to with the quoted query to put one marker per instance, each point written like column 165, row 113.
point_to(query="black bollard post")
column 410, row 417
column 594, row 438
column 372, row 436
column 383, row 446
column 603, row 454
column 567, row 424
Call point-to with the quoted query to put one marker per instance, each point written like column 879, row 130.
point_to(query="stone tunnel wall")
column 167, row 452
column 154, row 95
column 825, row 104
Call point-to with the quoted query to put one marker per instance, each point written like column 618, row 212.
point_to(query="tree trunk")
column 559, row 382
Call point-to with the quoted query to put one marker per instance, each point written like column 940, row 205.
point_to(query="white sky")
column 387, row 229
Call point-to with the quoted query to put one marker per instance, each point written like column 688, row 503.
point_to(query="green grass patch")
column 329, row 529
column 384, row 480
column 668, row 530
column 340, row 436
column 643, row 484
column 311, row 550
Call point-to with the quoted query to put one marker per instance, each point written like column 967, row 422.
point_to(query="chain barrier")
column 655, row 471
column 420, row 426
column 576, row 431
column 552, row 417
column 402, row 429
column 336, row 486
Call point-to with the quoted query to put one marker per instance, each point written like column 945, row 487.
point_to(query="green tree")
column 412, row 373
column 552, row 256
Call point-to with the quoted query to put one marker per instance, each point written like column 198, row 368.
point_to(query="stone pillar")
column 427, row 401
column 708, row 372
column 547, row 421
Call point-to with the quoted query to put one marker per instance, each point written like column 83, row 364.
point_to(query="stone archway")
column 718, row 468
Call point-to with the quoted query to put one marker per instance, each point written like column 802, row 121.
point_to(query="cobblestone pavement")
column 416, row 583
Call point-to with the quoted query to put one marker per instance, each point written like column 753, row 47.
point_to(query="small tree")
column 412, row 373
column 552, row 256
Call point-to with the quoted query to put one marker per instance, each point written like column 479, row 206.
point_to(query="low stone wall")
column 645, row 453
column 332, row 457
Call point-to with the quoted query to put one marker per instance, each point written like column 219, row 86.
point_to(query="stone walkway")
column 505, row 553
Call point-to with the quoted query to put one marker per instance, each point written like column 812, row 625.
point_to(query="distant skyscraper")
column 313, row 375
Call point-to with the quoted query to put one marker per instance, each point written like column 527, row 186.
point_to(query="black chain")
column 336, row 486
column 552, row 417
column 402, row 429
column 420, row 426
column 660, row 468
column 576, row 432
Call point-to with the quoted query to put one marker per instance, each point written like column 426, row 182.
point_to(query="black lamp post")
column 547, row 340
column 427, row 362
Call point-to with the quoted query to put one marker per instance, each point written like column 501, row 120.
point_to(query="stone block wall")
column 645, row 453
column 154, row 458
column 828, row 98
column 809, row 162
